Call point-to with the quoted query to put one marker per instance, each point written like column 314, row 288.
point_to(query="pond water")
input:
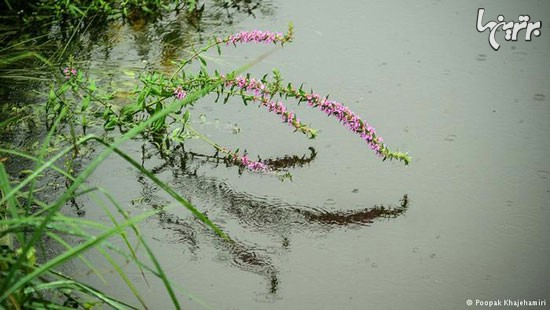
column 468, row 219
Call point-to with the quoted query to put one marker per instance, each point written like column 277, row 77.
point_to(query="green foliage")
column 157, row 92
column 71, row 9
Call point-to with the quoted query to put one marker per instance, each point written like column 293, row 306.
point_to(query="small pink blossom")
column 69, row 72
column 179, row 92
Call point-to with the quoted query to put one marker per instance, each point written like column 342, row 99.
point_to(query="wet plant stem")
column 193, row 57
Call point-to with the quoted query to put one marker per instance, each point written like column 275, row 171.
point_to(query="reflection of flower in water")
column 271, row 218
column 253, row 165
column 349, row 217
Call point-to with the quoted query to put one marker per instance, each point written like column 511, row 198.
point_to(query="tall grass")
column 23, row 279
column 30, row 278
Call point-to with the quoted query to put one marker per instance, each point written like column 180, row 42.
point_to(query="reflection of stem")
column 291, row 161
column 348, row 217
column 273, row 164
column 205, row 139
column 74, row 141
column 277, row 164
column 271, row 218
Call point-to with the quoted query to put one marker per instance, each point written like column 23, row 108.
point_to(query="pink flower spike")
column 256, row 36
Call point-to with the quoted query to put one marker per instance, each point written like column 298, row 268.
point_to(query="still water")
column 468, row 219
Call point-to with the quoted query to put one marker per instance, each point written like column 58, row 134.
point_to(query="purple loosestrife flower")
column 348, row 118
column 179, row 93
column 332, row 108
column 256, row 36
column 259, row 36
column 69, row 72
column 263, row 94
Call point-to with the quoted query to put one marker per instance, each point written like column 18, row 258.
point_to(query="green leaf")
column 110, row 124
column 63, row 89
column 158, row 124
column 192, row 5
column 52, row 95
column 141, row 98
column 85, row 103
column 204, row 71
column 92, row 87
column 203, row 61
column 156, row 90
column 186, row 117
column 128, row 111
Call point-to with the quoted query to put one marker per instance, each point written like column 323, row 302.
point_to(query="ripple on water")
column 517, row 223
column 481, row 57
column 450, row 138
column 543, row 174
column 539, row 97
column 518, row 56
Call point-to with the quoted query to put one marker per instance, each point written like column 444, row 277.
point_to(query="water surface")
column 468, row 219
